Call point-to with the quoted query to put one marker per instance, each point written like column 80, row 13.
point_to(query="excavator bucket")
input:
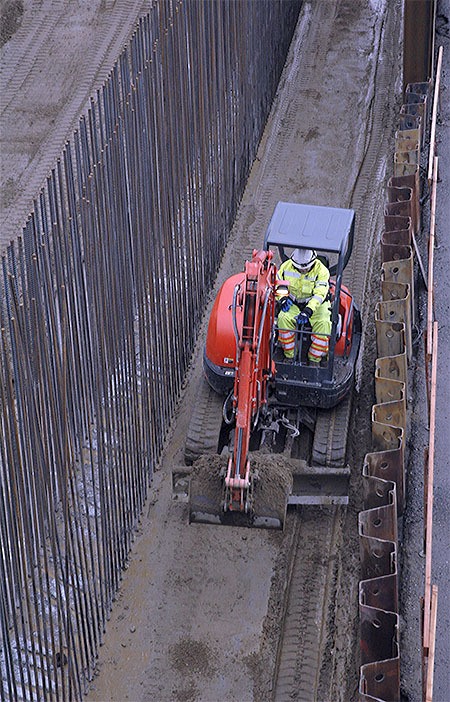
column 202, row 486
column 205, row 490
column 279, row 483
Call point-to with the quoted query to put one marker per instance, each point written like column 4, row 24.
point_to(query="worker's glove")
column 303, row 317
column 286, row 304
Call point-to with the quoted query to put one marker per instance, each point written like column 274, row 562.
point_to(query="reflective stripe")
column 319, row 339
column 286, row 334
column 312, row 353
column 307, row 288
column 318, row 348
column 286, row 339
column 288, row 347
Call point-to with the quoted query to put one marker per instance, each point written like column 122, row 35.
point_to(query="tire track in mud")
column 32, row 38
column 308, row 58
column 298, row 676
column 368, row 193
column 270, row 180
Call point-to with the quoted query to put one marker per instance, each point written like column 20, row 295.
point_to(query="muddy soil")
column 271, row 478
column 54, row 56
column 218, row 592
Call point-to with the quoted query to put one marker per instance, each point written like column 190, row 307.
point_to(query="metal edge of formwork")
column 319, row 485
column 418, row 56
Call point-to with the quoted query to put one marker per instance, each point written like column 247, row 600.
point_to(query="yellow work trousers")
column 320, row 322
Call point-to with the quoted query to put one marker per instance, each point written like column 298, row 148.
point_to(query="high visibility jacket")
column 305, row 289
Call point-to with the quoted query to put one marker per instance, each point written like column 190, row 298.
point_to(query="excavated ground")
column 199, row 613
column 200, row 610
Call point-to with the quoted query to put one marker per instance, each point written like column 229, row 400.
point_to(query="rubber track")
column 330, row 435
column 204, row 427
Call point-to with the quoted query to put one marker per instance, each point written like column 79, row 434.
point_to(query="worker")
column 304, row 299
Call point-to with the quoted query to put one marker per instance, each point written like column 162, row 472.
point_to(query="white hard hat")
column 303, row 258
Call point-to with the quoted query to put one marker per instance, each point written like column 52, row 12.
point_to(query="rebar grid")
column 102, row 296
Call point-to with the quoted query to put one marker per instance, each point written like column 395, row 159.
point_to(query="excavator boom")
column 252, row 372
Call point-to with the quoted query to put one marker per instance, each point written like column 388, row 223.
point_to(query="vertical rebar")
column 101, row 300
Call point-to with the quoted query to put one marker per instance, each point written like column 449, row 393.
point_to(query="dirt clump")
column 193, row 656
column 272, row 484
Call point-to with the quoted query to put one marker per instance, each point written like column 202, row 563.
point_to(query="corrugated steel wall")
column 102, row 295
column 384, row 468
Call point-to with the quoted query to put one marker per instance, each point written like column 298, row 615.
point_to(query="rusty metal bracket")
column 397, row 311
column 378, row 592
column 390, row 338
column 388, row 466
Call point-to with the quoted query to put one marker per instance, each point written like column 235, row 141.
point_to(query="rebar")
column 102, row 296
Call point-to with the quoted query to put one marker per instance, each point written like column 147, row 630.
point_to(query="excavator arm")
column 253, row 371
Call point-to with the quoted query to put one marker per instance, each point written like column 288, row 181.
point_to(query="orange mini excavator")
column 253, row 399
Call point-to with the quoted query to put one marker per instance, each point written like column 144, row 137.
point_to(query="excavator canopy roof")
column 312, row 227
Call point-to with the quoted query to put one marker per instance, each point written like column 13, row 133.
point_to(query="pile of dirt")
column 206, row 488
column 192, row 656
column 272, row 485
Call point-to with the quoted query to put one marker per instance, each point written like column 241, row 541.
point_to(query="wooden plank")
column 430, row 663
column 430, row 302
column 434, row 115
column 429, row 505
column 419, row 260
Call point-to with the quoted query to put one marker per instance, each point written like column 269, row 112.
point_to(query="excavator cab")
column 329, row 231
column 245, row 441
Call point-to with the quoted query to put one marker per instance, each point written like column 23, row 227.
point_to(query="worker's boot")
column 321, row 362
